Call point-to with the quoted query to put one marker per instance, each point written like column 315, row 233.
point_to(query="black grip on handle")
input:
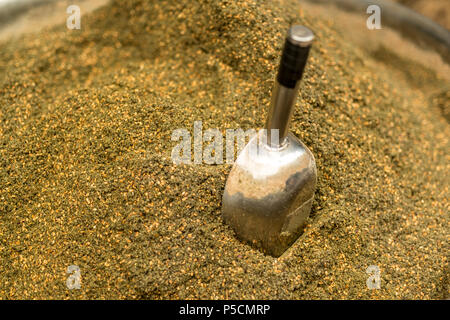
column 294, row 56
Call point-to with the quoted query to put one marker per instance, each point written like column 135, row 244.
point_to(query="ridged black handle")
column 295, row 55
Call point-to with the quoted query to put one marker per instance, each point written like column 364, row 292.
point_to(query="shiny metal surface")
column 269, row 192
column 270, row 189
column 281, row 109
column 301, row 36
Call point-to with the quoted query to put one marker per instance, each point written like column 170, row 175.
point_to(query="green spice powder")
column 86, row 176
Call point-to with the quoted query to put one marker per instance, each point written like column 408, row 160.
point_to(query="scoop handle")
column 292, row 65
column 294, row 58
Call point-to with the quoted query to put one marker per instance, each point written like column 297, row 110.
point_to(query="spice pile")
column 86, row 177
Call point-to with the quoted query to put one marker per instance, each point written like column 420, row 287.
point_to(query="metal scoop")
column 270, row 189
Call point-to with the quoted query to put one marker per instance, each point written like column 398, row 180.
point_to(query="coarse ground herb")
column 86, row 176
